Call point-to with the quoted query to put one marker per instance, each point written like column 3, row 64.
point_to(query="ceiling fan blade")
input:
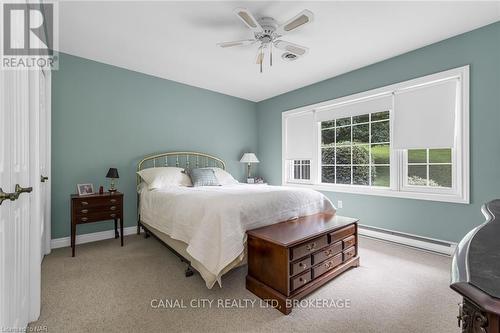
column 299, row 20
column 236, row 43
column 247, row 18
column 290, row 47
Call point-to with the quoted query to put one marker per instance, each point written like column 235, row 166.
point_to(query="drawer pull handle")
column 311, row 246
column 302, row 265
column 328, row 264
column 84, row 219
column 328, row 253
column 112, row 207
column 302, row 280
column 112, row 215
column 113, row 200
column 84, row 211
column 84, row 203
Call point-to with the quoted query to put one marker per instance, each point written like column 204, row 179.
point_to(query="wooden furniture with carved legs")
column 289, row 260
column 475, row 274
column 94, row 208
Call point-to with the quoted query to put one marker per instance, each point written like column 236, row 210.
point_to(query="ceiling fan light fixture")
column 267, row 33
column 289, row 56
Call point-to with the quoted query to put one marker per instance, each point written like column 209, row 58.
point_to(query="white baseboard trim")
column 418, row 242
column 87, row 238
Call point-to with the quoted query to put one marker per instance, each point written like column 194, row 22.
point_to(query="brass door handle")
column 43, row 178
column 20, row 190
column 6, row 196
column 14, row 196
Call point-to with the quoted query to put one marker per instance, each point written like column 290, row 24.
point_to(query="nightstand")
column 95, row 208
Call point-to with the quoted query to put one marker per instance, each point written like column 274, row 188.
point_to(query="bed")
column 206, row 225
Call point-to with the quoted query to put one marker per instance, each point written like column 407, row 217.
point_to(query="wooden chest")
column 291, row 259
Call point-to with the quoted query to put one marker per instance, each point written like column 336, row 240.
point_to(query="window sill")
column 383, row 192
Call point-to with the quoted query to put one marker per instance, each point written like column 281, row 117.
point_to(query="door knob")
column 43, row 178
column 6, row 196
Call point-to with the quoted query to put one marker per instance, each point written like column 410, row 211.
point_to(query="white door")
column 44, row 119
column 20, row 231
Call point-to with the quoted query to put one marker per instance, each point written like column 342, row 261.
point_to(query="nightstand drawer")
column 97, row 201
column 85, row 211
column 98, row 216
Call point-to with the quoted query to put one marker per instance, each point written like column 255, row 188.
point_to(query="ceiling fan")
column 267, row 32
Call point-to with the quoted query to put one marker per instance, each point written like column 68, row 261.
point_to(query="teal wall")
column 479, row 48
column 105, row 116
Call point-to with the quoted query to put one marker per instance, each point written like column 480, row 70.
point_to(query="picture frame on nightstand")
column 85, row 189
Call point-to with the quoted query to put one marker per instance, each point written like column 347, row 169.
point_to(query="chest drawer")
column 300, row 280
column 327, row 265
column 300, row 266
column 97, row 201
column 349, row 241
column 349, row 253
column 327, row 252
column 342, row 233
column 309, row 247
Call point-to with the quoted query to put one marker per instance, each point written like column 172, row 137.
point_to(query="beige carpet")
column 106, row 288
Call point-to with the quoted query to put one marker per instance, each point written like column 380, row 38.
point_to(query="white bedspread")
column 212, row 220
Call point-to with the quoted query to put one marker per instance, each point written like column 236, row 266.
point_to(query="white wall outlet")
column 339, row 204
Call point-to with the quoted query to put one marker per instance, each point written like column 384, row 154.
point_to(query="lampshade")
column 112, row 173
column 249, row 158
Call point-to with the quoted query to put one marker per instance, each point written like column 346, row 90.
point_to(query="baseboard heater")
column 414, row 241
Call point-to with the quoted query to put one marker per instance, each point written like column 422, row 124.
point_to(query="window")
column 355, row 150
column 409, row 140
column 430, row 168
column 299, row 170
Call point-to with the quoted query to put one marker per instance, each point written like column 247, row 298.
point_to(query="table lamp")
column 249, row 158
column 113, row 174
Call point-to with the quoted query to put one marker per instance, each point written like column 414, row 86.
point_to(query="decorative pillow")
column 164, row 176
column 203, row 177
column 224, row 177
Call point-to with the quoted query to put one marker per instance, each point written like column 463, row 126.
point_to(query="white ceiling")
column 176, row 40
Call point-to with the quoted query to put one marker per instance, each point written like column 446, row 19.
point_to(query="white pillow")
column 164, row 176
column 224, row 177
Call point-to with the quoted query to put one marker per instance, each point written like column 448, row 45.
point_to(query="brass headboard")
column 181, row 159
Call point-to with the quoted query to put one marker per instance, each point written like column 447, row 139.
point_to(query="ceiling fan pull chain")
column 261, row 59
column 271, row 54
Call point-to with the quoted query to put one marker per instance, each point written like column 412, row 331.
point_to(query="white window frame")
column 291, row 165
column 459, row 193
